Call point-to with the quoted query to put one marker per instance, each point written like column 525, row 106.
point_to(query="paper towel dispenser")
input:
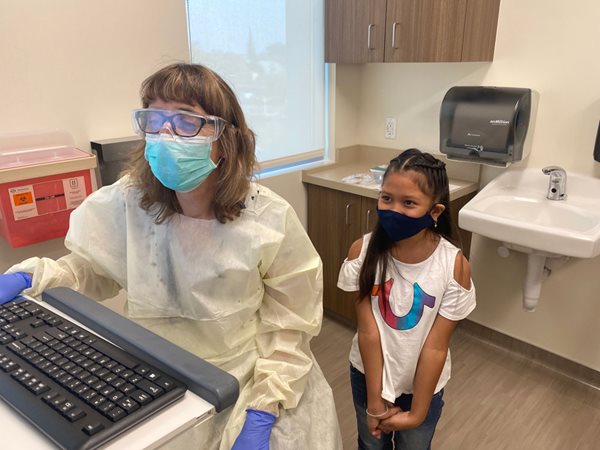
column 485, row 124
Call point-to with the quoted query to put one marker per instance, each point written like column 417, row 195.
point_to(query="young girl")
column 413, row 287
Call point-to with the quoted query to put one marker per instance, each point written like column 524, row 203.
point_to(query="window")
column 271, row 53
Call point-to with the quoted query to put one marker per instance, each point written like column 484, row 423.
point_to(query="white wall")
column 77, row 65
column 551, row 47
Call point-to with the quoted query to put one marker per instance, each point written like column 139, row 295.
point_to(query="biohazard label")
column 23, row 202
column 46, row 198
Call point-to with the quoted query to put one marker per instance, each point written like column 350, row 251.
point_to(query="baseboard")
column 564, row 366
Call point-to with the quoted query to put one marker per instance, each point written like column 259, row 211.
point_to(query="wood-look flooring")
column 495, row 400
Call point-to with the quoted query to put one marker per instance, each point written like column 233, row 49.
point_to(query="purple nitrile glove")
column 12, row 284
column 256, row 431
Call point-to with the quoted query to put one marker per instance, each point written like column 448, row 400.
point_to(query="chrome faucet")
column 557, row 189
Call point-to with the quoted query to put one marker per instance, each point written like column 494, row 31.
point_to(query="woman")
column 210, row 260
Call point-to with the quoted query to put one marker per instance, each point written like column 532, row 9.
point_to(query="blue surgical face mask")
column 181, row 164
column 399, row 226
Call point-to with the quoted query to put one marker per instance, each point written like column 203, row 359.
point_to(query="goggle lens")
column 184, row 124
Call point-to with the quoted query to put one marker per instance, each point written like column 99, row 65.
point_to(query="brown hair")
column 194, row 84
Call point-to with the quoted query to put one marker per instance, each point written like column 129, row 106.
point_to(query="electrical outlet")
column 390, row 128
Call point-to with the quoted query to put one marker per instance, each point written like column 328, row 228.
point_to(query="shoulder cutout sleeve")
column 350, row 270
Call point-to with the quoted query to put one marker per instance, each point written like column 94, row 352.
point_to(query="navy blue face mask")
column 399, row 226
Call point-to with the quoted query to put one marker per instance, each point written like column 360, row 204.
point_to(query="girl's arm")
column 369, row 344
column 430, row 365
column 431, row 361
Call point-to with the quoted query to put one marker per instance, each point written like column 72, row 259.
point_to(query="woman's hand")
column 256, row 431
column 12, row 284
column 401, row 420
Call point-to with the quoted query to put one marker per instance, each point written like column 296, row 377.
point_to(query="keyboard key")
column 49, row 396
column 17, row 347
column 141, row 397
column 126, row 374
column 150, row 388
column 127, row 388
column 152, row 376
column 106, row 391
column 73, row 384
column 136, row 379
column 75, row 414
column 116, row 414
column 98, row 401
column 6, row 339
column 66, row 407
column 38, row 388
column 57, row 401
column 116, row 396
column 129, row 405
column 56, row 333
column 142, row 370
column 81, row 390
column 92, row 428
column 37, row 323
column 9, row 366
column 28, row 341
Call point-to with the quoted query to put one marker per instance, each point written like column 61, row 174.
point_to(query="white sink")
column 513, row 208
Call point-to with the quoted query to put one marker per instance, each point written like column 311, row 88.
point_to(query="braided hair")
column 434, row 183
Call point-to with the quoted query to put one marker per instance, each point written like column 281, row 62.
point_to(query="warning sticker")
column 47, row 197
column 23, row 202
column 74, row 189
column 24, row 198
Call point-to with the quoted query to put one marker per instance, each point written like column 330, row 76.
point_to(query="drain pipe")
column 539, row 267
column 534, row 276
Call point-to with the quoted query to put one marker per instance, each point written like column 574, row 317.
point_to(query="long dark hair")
column 433, row 183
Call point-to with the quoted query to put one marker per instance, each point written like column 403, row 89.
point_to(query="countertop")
column 330, row 176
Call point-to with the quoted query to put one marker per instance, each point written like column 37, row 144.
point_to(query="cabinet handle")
column 369, row 30
column 394, row 25
column 368, row 221
column 348, row 205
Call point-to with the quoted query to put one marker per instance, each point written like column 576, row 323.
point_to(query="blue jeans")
column 415, row 439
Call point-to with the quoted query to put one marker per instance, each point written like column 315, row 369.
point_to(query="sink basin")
column 513, row 208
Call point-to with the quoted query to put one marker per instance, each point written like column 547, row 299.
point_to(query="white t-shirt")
column 417, row 294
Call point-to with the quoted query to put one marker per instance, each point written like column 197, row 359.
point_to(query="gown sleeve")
column 290, row 315
column 81, row 269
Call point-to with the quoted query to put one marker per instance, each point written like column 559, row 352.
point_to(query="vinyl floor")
column 496, row 400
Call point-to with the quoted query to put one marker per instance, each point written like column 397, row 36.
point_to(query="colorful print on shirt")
column 412, row 317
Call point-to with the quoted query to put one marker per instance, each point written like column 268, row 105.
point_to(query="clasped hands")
column 393, row 419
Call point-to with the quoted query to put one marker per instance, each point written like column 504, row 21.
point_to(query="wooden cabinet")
column 335, row 220
column 354, row 31
column 362, row 31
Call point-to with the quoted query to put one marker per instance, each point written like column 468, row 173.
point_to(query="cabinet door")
column 369, row 214
column 334, row 223
column 424, row 30
column 354, row 31
column 480, row 30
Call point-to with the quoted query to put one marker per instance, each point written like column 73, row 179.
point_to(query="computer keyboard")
column 80, row 390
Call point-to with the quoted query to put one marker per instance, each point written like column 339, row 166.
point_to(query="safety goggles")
column 182, row 123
